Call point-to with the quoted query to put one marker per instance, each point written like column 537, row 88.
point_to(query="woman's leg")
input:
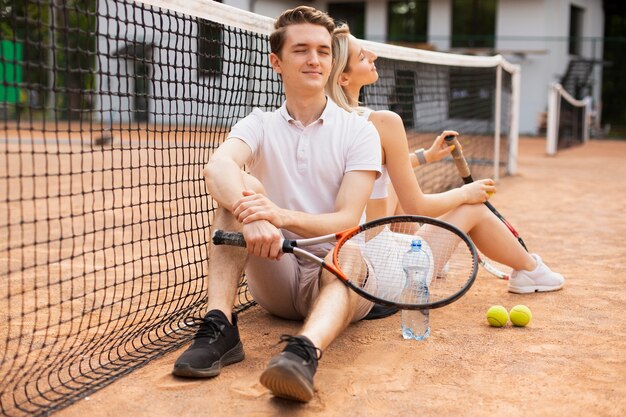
column 490, row 235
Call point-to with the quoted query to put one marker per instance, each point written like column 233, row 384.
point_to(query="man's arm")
column 223, row 175
column 355, row 189
column 224, row 180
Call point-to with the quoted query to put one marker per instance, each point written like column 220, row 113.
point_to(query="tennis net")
column 109, row 110
column 568, row 120
column 432, row 91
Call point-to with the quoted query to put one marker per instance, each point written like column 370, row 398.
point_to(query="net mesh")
column 571, row 122
column 431, row 98
column 109, row 111
column 568, row 123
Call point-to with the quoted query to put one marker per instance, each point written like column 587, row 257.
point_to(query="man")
column 312, row 167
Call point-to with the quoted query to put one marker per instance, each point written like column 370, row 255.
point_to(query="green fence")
column 11, row 54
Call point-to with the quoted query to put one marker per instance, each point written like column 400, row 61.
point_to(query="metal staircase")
column 577, row 80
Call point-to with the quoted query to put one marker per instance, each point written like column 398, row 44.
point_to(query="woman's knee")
column 472, row 211
column 466, row 216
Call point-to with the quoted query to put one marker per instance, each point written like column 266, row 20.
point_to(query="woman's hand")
column 439, row 149
column 478, row 191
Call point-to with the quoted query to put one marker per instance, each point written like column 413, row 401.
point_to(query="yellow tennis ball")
column 497, row 316
column 520, row 315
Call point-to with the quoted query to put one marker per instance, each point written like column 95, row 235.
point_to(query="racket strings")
column 407, row 262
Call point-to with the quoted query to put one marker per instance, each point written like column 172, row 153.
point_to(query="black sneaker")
column 215, row 344
column 380, row 311
column 290, row 374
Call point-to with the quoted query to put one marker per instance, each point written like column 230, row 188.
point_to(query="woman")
column 354, row 68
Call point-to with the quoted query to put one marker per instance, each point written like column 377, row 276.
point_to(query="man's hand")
column 254, row 207
column 263, row 239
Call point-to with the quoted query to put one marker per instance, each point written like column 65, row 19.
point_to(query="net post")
column 496, row 122
column 553, row 117
column 514, row 125
column 587, row 118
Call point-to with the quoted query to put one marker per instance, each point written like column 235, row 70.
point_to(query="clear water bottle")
column 416, row 264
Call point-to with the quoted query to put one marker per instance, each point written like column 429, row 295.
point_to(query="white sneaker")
column 541, row 279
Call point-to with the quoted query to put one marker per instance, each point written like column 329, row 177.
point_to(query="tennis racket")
column 464, row 171
column 369, row 260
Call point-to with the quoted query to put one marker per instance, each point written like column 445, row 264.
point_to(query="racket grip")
column 221, row 237
column 459, row 159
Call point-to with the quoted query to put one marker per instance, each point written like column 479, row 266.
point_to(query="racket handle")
column 221, row 237
column 459, row 159
column 464, row 171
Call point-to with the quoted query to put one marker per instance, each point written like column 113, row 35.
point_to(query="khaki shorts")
column 288, row 287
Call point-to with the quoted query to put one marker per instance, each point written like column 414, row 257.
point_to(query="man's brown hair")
column 298, row 15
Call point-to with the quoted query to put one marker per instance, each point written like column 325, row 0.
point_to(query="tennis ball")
column 497, row 316
column 520, row 315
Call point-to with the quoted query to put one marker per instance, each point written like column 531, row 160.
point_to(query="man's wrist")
column 421, row 156
column 284, row 218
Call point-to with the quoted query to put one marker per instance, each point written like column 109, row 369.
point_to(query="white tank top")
column 380, row 185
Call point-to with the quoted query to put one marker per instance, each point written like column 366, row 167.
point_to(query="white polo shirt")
column 302, row 167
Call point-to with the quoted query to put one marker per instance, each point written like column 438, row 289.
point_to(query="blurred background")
column 576, row 43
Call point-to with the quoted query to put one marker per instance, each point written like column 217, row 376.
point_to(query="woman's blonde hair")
column 341, row 56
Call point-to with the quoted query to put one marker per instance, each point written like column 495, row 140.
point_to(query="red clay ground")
column 570, row 360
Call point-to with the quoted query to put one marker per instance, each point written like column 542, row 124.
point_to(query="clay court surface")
column 570, row 360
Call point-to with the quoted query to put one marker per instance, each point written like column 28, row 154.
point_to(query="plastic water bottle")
column 416, row 264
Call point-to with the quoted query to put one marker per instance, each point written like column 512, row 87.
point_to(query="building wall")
column 538, row 30
column 440, row 24
column 531, row 33
column 178, row 93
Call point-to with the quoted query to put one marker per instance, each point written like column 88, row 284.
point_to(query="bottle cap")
column 416, row 244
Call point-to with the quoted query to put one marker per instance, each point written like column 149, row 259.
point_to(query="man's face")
column 306, row 58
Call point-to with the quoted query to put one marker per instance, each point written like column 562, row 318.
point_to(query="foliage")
column 613, row 86
column 66, row 36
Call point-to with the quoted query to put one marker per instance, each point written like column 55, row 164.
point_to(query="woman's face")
column 361, row 63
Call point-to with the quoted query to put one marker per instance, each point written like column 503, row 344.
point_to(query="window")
column 210, row 40
column 351, row 13
column 575, row 30
column 473, row 23
column 407, row 21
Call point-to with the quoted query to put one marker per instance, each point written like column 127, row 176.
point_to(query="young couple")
column 313, row 166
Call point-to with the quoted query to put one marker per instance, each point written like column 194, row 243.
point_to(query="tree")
column 61, row 31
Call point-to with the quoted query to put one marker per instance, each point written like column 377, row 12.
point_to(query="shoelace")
column 206, row 328
column 302, row 348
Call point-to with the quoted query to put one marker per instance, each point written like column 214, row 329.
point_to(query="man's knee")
column 351, row 263
column 325, row 276
column 224, row 219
